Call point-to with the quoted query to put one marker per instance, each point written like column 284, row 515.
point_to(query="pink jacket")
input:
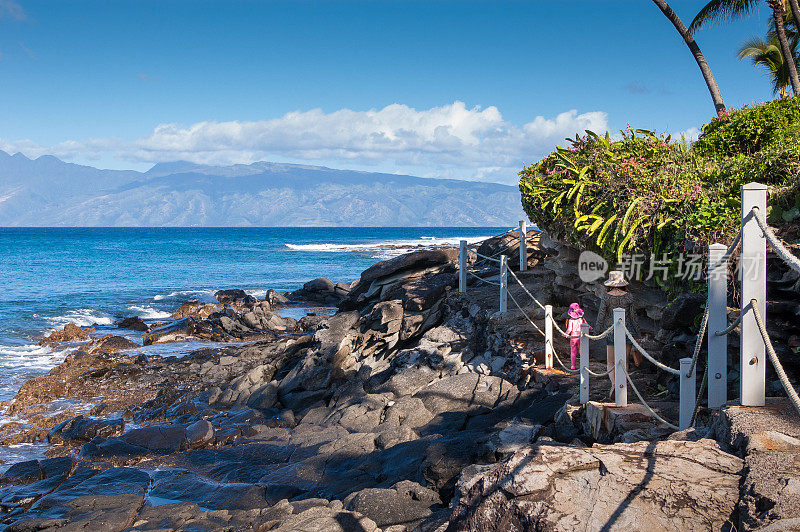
column 574, row 326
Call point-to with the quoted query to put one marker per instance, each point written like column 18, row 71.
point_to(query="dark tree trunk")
column 778, row 10
column 708, row 76
column 795, row 5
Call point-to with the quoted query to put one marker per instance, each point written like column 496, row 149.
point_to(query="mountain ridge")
column 49, row 192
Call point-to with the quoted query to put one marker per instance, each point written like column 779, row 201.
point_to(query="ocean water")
column 52, row 276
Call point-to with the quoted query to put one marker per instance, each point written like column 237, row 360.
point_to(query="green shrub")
column 750, row 129
column 646, row 194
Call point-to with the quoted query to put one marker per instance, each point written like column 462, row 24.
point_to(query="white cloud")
column 451, row 140
column 688, row 135
column 11, row 9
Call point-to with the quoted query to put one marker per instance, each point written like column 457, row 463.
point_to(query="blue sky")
column 434, row 88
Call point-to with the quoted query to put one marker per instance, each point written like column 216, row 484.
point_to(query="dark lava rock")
column 236, row 297
column 134, row 324
column 70, row 333
column 110, row 344
column 180, row 329
column 406, row 503
column 682, row 312
column 158, row 438
column 81, row 429
column 111, row 448
column 410, row 261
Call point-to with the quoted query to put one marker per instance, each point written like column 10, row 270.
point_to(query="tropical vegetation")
column 646, row 193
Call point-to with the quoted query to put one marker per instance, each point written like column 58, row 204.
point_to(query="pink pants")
column 574, row 350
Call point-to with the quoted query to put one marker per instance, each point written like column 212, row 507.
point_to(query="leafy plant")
column 643, row 193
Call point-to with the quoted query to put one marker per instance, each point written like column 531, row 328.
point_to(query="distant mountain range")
column 50, row 192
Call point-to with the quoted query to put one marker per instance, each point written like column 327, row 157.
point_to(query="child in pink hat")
column 574, row 322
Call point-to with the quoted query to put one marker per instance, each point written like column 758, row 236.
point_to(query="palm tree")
column 717, row 10
column 708, row 76
column 767, row 54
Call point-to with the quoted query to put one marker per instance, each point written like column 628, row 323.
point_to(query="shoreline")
column 398, row 412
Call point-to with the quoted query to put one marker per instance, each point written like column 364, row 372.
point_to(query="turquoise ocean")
column 87, row 276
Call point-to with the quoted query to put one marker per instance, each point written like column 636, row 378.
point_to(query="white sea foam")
column 388, row 247
column 30, row 357
column 82, row 317
column 149, row 313
column 206, row 295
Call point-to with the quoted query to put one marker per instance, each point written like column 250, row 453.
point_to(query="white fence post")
column 753, row 276
column 523, row 246
column 688, row 389
column 462, row 266
column 584, row 351
column 620, row 360
column 503, row 283
column 717, row 321
column 548, row 336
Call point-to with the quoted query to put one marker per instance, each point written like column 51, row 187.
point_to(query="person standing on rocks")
column 574, row 321
column 617, row 296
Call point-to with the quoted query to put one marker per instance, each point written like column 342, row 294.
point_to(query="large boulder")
column 182, row 329
column 135, row 324
column 70, row 333
column 236, row 298
column 406, row 503
column 667, row 485
column 110, row 344
column 410, row 261
column 196, row 309
column 322, row 291
column 81, row 429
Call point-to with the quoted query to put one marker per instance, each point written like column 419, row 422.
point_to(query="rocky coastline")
column 399, row 404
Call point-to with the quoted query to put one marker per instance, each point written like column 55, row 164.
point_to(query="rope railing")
column 737, row 241
column 644, row 403
column 514, row 276
column 516, row 303
column 702, row 389
column 776, row 363
column 751, row 241
column 601, row 335
column 604, row 374
column 776, row 243
column 730, row 327
column 487, row 258
column 699, row 342
column 648, row 356
column 482, row 279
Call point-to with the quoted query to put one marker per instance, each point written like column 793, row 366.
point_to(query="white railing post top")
column 718, row 246
column 753, row 185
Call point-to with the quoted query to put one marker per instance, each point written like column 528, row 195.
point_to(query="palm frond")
column 721, row 10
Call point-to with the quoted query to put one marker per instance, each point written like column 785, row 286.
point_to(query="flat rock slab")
column 734, row 424
column 668, row 485
column 769, row 439
column 603, row 420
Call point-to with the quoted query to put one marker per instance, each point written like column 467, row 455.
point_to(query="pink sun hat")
column 575, row 311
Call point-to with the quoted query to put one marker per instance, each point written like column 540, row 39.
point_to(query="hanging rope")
column 703, row 384
column 699, row 342
column 605, row 374
column 482, row 279
column 775, row 242
column 730, row 251
column 487, row 258
column 776, row 363
column 648, row 356
column 514, row 300
column 562, row 364
column 641, row 399
column 730, row 327
column 601, row 335
column 514, row 276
